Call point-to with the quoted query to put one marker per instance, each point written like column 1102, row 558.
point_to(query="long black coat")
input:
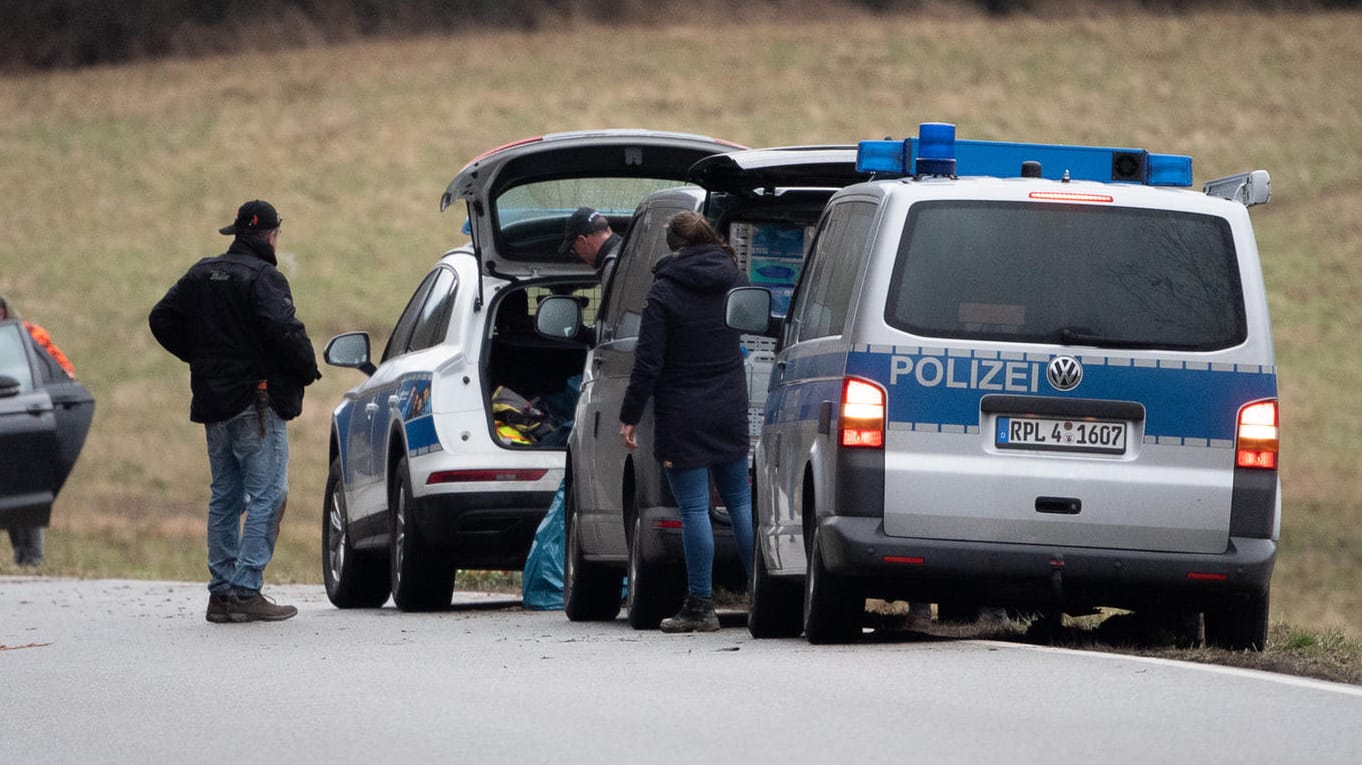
column 231, row 318
column 690, row 363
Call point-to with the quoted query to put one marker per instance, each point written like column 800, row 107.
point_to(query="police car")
column 448, row 454
column 1021, row 375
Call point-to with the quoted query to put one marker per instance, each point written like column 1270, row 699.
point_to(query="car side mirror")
column 351, row 351
column 559, row 317
column 748, row 309
column 9, row 387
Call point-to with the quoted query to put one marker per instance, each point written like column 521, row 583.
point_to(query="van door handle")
column 1059, row 505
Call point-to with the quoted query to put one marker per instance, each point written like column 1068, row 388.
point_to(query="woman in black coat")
column 690, row 363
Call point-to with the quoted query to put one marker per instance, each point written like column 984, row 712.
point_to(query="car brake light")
column 1258, row 436
column 1070, row 196
column 465, row 476
column 862, row 422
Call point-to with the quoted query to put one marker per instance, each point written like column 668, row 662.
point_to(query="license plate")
column 1093, row 436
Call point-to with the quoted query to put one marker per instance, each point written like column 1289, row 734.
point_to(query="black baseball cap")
column 255, row 215
column 581, row 222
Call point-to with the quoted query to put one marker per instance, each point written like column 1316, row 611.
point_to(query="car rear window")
column 531, row 216
column 1106, row 276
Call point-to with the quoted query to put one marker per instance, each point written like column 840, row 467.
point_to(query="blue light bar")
column 932, row 152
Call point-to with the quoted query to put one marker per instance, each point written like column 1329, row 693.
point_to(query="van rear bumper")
column 1006, row 574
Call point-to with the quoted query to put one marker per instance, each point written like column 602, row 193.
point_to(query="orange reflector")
column 908, row 560
column 1258, row 436
column 1069, row 196
column 1200, row 576
column 465, row 476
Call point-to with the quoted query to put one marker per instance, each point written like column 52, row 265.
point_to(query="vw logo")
column 1064, row 372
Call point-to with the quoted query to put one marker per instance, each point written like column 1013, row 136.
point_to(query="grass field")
column 116, row 179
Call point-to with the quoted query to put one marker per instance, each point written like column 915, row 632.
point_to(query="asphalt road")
column 129, row 671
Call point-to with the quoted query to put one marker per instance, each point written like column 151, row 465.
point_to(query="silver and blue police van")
column 1021, row 375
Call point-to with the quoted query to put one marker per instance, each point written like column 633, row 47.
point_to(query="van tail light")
column 862, row 420
column 1258, row 436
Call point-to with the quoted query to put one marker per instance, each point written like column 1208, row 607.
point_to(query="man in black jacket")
column 231, row 318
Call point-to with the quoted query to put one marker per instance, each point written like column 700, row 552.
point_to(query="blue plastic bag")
column 541, row 584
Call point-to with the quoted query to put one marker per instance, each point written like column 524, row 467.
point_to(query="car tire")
column 422, row 576
column 1239, row 626
column 833, row 608
column 353, row 579
column 655, row 591
column 591, row 592
column 776, row 608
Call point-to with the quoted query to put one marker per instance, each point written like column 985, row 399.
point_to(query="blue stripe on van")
column 936, row 389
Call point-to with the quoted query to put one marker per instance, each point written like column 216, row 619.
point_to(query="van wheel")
column 655, row 591
column 833, row 607
column 353, row 579
column 1238, row 626
column 591, row 592
column 422, row 576
column 776, row 607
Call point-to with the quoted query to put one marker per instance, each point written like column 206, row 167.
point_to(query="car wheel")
column 776, row 607
column 833, row 608
column 353, row 579
column 655, row 591
column 422, row 577
column 1239, row 626
column 591, row 592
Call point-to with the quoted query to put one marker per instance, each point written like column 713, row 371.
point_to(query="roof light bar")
column 937, row 152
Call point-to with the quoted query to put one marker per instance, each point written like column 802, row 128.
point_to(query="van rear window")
column 1114, row 277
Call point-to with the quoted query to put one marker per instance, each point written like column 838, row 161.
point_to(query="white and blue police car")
column 438, row 460
column 1022, row 375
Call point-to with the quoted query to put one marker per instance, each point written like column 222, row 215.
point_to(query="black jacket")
column 690, row 363
column 231, row 318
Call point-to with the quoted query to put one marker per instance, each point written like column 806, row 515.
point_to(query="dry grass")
column 118, row 178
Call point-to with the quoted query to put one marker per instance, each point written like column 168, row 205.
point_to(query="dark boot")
column 696, row 615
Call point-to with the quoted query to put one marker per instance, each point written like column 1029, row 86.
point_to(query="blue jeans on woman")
column 690, row 488
column 250, row 478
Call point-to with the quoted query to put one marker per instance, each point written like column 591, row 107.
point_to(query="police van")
column 1022, row 375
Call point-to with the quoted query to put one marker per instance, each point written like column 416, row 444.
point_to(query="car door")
column 28, row 434
column 366, row 437
column 600, row 454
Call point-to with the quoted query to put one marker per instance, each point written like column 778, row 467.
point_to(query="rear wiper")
column 1084, row 336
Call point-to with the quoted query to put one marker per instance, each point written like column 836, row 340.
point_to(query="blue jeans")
column 690, row 487
column 250, row 478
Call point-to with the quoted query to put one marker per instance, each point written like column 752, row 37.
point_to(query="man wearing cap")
column 231, row 318
column 588, row 236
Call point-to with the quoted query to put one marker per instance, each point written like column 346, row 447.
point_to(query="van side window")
column 837, row 261
column 634, row 271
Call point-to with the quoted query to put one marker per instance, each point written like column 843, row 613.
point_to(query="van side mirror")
column 351, row 351
column 748, row 309
column 9, row 387
column 559, row 317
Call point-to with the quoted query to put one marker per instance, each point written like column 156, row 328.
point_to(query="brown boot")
column 217, row 608
column 696, row 615
column 257, row 608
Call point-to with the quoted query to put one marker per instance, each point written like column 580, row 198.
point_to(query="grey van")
column 620, row 516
